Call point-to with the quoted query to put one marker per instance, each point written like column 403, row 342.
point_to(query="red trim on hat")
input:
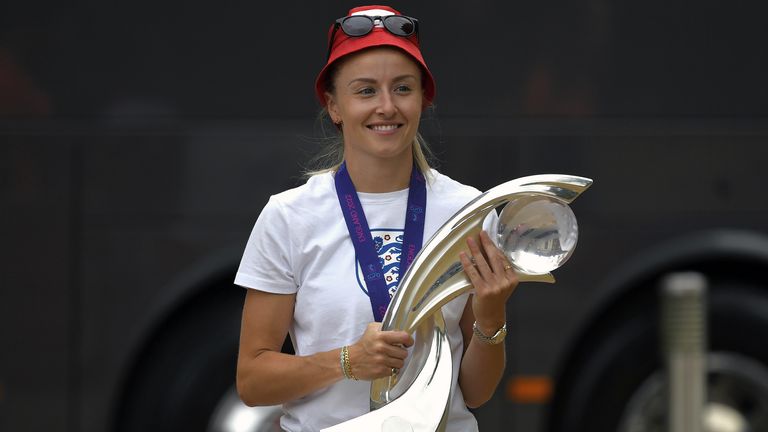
column 344, row 45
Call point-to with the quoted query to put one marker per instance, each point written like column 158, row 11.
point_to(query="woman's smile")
column 378, row 101
column 385, row 129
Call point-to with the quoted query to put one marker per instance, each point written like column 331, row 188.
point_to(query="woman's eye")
column 367, row 91
column 402, row 88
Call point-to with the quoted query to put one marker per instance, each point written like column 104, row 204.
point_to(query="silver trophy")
column 536, row 230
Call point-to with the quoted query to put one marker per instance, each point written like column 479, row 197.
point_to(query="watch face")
column 491, row 340
column 500, row 334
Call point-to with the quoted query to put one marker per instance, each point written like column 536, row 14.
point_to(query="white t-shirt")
column 300, row 244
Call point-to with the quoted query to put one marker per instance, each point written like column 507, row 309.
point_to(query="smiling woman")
column 377, row 100
column 324, row 259
column 377, row 24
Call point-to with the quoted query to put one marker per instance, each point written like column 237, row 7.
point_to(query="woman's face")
column 378, row 98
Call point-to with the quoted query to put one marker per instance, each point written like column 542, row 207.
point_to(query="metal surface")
column 684, row 327
column 424, row 407
column 232, row 415
column 418, row 396
column 737, row 398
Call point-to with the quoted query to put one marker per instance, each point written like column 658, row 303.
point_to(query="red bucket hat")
column 344, row 45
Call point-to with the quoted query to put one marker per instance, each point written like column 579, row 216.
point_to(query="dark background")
column 139, row 141
column 245, row 60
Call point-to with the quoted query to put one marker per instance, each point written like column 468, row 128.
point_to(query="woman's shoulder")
column 306, row 204
column 316, row 187
column 441, row 184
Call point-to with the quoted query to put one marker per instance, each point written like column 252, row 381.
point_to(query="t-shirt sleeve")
column 267, row 262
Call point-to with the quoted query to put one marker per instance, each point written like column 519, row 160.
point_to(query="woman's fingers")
column 391, row 350
column 470, row 269
column 397, row 338
column 378, row 352
column 478, row 259
column 496, row 258
column 492, row 276
column 491, row 263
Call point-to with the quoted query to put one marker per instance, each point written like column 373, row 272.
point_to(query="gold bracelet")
column 341, row 361
column 347, row 364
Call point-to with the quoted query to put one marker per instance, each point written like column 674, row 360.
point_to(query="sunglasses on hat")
column 361, row 25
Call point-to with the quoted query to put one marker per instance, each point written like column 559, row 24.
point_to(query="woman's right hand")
column 377, row 352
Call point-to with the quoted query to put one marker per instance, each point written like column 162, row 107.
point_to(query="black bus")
column 139, row 142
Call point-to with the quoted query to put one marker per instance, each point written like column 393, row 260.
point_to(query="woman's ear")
column 333, row 108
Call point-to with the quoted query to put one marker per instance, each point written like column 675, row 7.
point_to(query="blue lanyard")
column 360, row 234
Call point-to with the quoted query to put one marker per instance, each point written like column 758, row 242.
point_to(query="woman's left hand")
column 494, row 280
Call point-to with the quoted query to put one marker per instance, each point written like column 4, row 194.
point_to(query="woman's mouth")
column 384, row 128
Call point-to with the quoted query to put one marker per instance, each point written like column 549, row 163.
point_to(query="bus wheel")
column 617, row 383
column 184, row 379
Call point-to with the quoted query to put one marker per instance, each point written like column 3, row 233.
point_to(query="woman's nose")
column 386, row 105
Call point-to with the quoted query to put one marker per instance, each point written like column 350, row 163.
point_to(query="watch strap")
column 497, row 337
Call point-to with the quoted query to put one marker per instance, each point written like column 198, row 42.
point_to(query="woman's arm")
column 482, row 365
column 265, row 376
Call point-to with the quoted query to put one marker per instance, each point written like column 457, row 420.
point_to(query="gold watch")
column 497, row 338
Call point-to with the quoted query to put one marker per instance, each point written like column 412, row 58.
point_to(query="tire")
column 614, row 381
column 187, row 371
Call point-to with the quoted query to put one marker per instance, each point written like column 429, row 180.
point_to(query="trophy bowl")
column 537, row 233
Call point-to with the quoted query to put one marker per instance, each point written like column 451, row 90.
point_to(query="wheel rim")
column 737, row 398
column 232, row 415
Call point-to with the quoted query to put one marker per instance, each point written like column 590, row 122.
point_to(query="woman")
column 323, row 260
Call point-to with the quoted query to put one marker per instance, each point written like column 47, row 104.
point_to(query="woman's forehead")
column 379, row 61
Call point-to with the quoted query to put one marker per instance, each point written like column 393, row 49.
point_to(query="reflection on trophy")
column 537, row 231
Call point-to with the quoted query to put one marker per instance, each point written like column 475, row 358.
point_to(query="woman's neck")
column 380, row 176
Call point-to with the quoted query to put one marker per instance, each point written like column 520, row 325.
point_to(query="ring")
column 508, row 266
column 394, row 371
column 472, row 259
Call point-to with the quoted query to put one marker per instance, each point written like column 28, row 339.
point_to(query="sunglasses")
column 361, row 25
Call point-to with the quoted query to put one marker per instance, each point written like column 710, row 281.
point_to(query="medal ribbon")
column 360, row 234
